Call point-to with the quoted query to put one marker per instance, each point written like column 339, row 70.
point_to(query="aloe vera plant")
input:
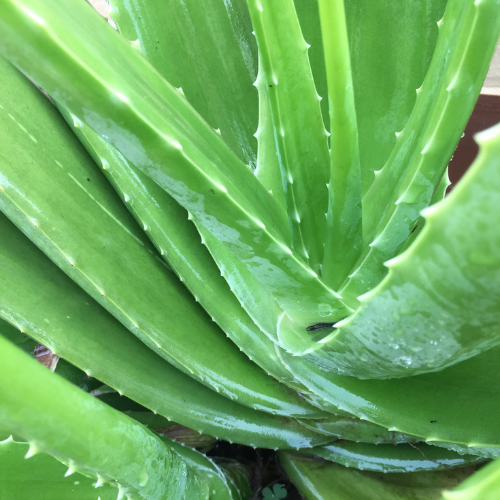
column 233, row 214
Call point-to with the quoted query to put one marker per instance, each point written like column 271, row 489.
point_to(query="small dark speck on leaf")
column 212, row 191
column 433, row 421
column 88, row 179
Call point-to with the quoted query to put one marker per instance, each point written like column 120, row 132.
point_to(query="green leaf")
column 216, row 477
column 316, row 479
column 177, row 240
column 300, row 137
column 392, row 458
column 456, row 405
column 217, row 38
column 344, row 217
column 468, row 36
column 484, row 485
column 42, row 477
column 60, row 419
column 440, row 303
column 72, row 325
column 268, row 169
column 187, row 158
column 126, row 275
column 354, row 429
column 391, row 45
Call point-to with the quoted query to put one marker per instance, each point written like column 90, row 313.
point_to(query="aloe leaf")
column 174, row 431
column 57, row 418
column 438, row 196
column 386, row 69
column 268, row 169
column 301, row 139
column 237, row 477
column 468, row 36
column 63, row 368
column 72, row 325
column 126, row 275
column 440, row 302
column 162, row 135
column 42, row 477
column 22, row 341
column 480, row 451
column 392, row 458
column 178, row 241
column 260, row 306
column 483, row 485
column 219, row 488
column 316, row 479
column 356, row 430
column 217, row 37
column 344, row 217
column 456, row 405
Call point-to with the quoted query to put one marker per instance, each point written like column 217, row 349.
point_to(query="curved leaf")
column 440, row 303
column 60, row 419
column 162, row 135
column 89, row 233
column 456, row 405
column 74, row 326
column 217, row 38
column 43, row 478
column 354, row 429
column 317, row 478
column 392, row 458
column 468, row 36
column 178, row 241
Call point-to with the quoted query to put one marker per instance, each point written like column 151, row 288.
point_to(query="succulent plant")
column 247, row 235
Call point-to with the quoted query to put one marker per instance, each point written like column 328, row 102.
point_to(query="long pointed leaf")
column 456, row 405
column 164, row 137
column 392, row 458
column 440, row 303
column 391, row 45
column 74, row 326
column 468, row 37
column 344, row 217
column 301, row 140
column 217, row 38
column 177, row 240
column 73, row 426
column 88, row 232
column 317, row 479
